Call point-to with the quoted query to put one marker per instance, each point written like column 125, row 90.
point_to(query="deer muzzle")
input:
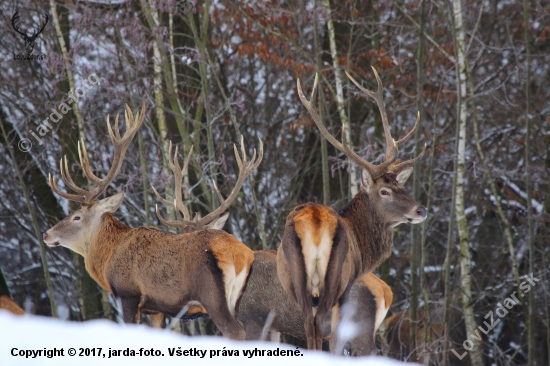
column 417, row 215
column 49, row 241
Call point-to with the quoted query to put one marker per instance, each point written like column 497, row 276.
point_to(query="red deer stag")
column 263, row 292
column 234, row 277
column 323, row 251
column 150, row 270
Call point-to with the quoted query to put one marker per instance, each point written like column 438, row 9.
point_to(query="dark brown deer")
column 264, row 294
column 151, row 270
column 322, row 251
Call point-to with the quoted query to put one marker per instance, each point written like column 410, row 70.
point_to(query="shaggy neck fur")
column 372, row 236
column 101, row 247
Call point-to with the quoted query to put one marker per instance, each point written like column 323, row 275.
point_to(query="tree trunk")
column 462, row 224
column 530, row 233
column 415, row 237
column 88, row 291
column 35, row 225
column 353, row 188
column 324, row 149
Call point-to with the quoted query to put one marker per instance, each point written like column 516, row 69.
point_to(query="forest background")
column 476, row 71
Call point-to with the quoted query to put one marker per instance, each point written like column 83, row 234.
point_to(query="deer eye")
column 384, row 192
column 76, row 218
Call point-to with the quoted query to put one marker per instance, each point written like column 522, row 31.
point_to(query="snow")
column 21, row 334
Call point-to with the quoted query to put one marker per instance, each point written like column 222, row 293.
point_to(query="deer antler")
column 374, row 170
column 245, row 169
column 37, row 33
column 24, row 34
column 178, row 180
column 13, row 23
column 391, row 145
column 121, row 145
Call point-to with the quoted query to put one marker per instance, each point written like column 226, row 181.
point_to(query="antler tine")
column 171, row 223
column 121, row 144
column 55, row 188
column 245, row 169
column 378, row 96
column 178, row 181
column 165, row 201
column 85, row 164
column 66, row 177
column 375, row 170
column 409, row 135
column 177, row 203
column 399, row 167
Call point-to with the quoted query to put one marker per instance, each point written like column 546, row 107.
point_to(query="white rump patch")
column 234, row 284
column 316, row 257
column 381, row 311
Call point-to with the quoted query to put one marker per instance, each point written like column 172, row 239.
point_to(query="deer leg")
column 319, row 329
column 310, row 329
column 275, row 336
column 334, row 319
column 220, row 315
column 156, row 320
column 130, row 309
column 253, row 331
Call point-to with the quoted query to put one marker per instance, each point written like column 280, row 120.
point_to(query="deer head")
column 383, row 183
column 29, row 40
column 213, row 220
column 75, row 230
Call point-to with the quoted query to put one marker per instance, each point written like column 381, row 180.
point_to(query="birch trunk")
column 324, row 150
column 159, row 110
column 531, row 318
column 353, row 189
column 462, row 224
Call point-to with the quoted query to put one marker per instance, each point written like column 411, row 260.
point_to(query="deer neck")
column 101, row 247
column 371, row 236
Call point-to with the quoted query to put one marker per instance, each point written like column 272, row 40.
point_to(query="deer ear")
column 110, row 204
column 219, row 223
column 404, row 175
column 366, row 180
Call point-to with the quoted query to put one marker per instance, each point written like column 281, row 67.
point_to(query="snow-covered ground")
column 26, row 335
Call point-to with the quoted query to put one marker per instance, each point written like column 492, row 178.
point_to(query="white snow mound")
column 32, row 340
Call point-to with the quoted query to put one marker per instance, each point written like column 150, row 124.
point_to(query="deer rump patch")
column 234, row 260
column 315, row 227
column 382, row 295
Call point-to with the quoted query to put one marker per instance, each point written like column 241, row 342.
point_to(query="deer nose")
column 45, row 236
column 421, row 211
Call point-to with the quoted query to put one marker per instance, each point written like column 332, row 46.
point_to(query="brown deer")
column 323, row 251
column 8, row 304
column 429, row 346
column 151, row 270
column 263, row 293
